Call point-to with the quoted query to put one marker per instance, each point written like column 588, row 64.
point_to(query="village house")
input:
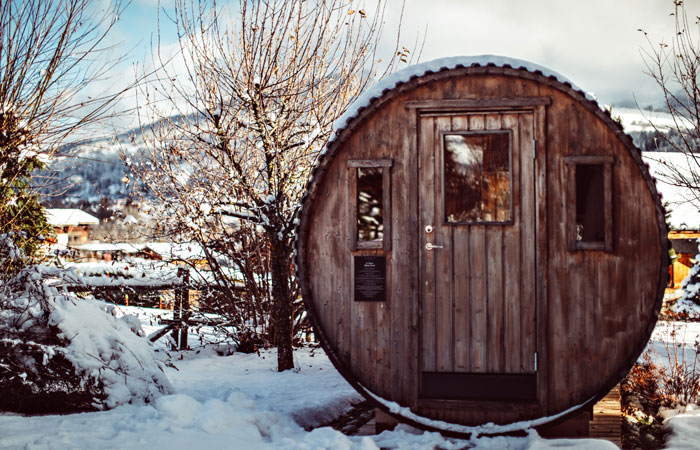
column 71, row 225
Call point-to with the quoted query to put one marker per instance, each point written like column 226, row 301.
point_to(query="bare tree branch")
column 262, row 86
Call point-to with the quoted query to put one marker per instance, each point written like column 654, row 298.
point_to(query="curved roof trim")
column 418, row 70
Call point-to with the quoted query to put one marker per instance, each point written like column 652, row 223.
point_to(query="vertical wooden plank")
column 478, row 282
column 442, row 236
column 582, row 130
column 386, row 193
column 560, row 144
column 461, row 294
column 541, row 299
column 607, row 206
column 382, row 335
column 426, row 210
column 494, row 274
column 356, row 318
column 323, row 283
column 399, row 304
column 351, row 187
column 511, row 248
column 358, row 326
column 528, row 235
column 604, row 289
column 337, row 236
column 570, row 192
column 382, row 128
column 411, row 356
column 373, row 145
column 364, row 339
column 342, row 294
column 590, row 351
column 630, row 231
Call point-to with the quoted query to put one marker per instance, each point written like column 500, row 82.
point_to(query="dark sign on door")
column 370, row 278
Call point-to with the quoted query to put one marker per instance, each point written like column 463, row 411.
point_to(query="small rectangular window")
column 590, row 211
column 477, row 177
column 370, row 207
column 590, row 202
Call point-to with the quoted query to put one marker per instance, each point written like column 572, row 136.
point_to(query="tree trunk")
column 280, row 272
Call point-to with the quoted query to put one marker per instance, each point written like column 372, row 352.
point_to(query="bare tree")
column 50, row 52
column 235, row 136
column 675, row 67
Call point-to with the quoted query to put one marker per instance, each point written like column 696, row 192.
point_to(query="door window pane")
column 370, row 214
column 477, row 179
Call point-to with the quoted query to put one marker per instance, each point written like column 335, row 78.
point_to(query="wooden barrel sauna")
column 481, row 242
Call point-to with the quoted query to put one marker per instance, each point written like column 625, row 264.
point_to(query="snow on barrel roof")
column 436, row 65
column 63, row 217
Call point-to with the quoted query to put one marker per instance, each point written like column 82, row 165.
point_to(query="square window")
column 477, row 177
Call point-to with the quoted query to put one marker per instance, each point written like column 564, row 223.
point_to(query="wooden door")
column 477, row 221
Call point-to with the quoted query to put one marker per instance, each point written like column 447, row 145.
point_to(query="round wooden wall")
column 534, row 299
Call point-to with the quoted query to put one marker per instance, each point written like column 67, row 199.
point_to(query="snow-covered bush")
column 60, row 353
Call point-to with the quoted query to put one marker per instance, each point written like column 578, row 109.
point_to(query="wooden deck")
column 607, row 418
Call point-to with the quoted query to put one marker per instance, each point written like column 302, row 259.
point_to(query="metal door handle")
column 430, row 246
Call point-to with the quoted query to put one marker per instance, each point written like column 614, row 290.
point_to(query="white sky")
column 595, row 43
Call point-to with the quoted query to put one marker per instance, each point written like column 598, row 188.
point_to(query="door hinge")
column 535, row 361
column 534, row 149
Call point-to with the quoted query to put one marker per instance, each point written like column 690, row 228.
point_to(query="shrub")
column 667, row 377
column 59, row 353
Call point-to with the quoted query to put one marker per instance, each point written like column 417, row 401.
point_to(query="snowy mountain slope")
column 636, row 120
column 89, row 170
column 92, row 169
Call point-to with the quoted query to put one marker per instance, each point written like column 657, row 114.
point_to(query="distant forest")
column 654, row 141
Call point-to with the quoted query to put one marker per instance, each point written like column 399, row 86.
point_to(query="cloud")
column 594, row 43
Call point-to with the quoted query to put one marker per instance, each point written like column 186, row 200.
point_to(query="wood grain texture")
column 441, row 105
column 457, row 310
column 495, row 308
column 442, row 235
column 513, row 303
column 426, row 188
column 529, row 237
column 460, row 249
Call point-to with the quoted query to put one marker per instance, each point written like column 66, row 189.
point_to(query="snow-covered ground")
column 241, row 402
column 634, row 119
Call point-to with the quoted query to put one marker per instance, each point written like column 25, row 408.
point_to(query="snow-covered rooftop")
column 62, row 217
column 110, row 247
column 683, row 214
